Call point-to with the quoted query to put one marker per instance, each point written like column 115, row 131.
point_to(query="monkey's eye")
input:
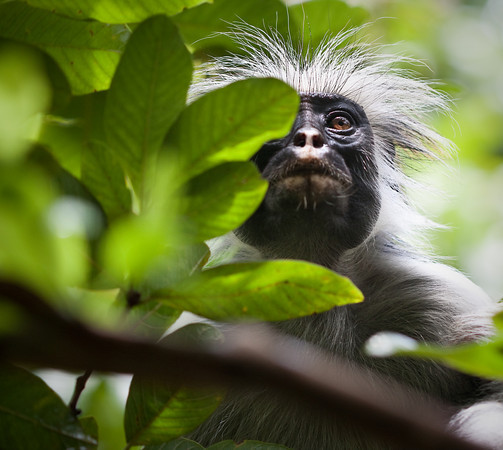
column 340, row 123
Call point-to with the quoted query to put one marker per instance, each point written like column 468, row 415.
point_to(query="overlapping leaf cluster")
column 110, row 184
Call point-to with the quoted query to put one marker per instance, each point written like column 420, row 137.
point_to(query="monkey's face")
column 322, row 181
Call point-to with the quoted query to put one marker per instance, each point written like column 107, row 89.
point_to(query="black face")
column 323, row 197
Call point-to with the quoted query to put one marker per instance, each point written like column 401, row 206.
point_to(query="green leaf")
column 234, row 121
column 105, row 179
column 87, row 52
column 136, row 248
column 222, row 198
column 115, row 11
column 147, row 93
column 90, row 426
column 483, row 359
column 33, row 416
column 104, row 401
column 24, row 96
column 131, row 248
column 201, row 26
column 152, row 319
column 272, row 290
column 79, row 125
column 157, row 412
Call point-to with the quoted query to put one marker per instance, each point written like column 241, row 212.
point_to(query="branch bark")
column 251, row 355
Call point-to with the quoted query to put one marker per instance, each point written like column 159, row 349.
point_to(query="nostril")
column 299, row 139
column 317, row 140
column 308, row 137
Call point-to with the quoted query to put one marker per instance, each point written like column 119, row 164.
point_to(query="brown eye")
column 340, row 123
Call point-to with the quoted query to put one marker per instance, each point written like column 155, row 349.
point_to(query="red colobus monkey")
column 336, row 197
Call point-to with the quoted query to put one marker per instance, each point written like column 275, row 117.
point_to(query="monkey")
column 337, row 197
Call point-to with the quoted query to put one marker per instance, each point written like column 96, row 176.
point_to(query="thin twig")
column 80, row 385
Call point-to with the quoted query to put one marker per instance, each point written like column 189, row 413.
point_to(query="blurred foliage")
column 107, row 190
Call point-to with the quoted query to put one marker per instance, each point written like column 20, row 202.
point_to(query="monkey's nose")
column 308, row 137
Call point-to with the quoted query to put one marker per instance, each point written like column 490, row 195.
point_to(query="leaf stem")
column 80, row 385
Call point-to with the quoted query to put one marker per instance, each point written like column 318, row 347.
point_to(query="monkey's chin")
column 309, row 192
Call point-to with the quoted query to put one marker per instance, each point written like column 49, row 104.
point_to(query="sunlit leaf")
column 87, row 52
column 220, row 199
column 24, row 96
column 115, row 11
column 272, row 290
column 147, row 94
column 157, row 412
column 33, row 416
column 234, row 121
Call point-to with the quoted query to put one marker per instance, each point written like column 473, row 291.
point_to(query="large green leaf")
column 33, row 416
column 231, row 123
column 157, row 412
column 222, row 198
column 272, row 290
column 148, row 92
column 114, row 11
column 105, row 179
column 201, row 26
column 87, row 52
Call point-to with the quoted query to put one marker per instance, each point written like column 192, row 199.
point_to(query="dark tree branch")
column 250, row 356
